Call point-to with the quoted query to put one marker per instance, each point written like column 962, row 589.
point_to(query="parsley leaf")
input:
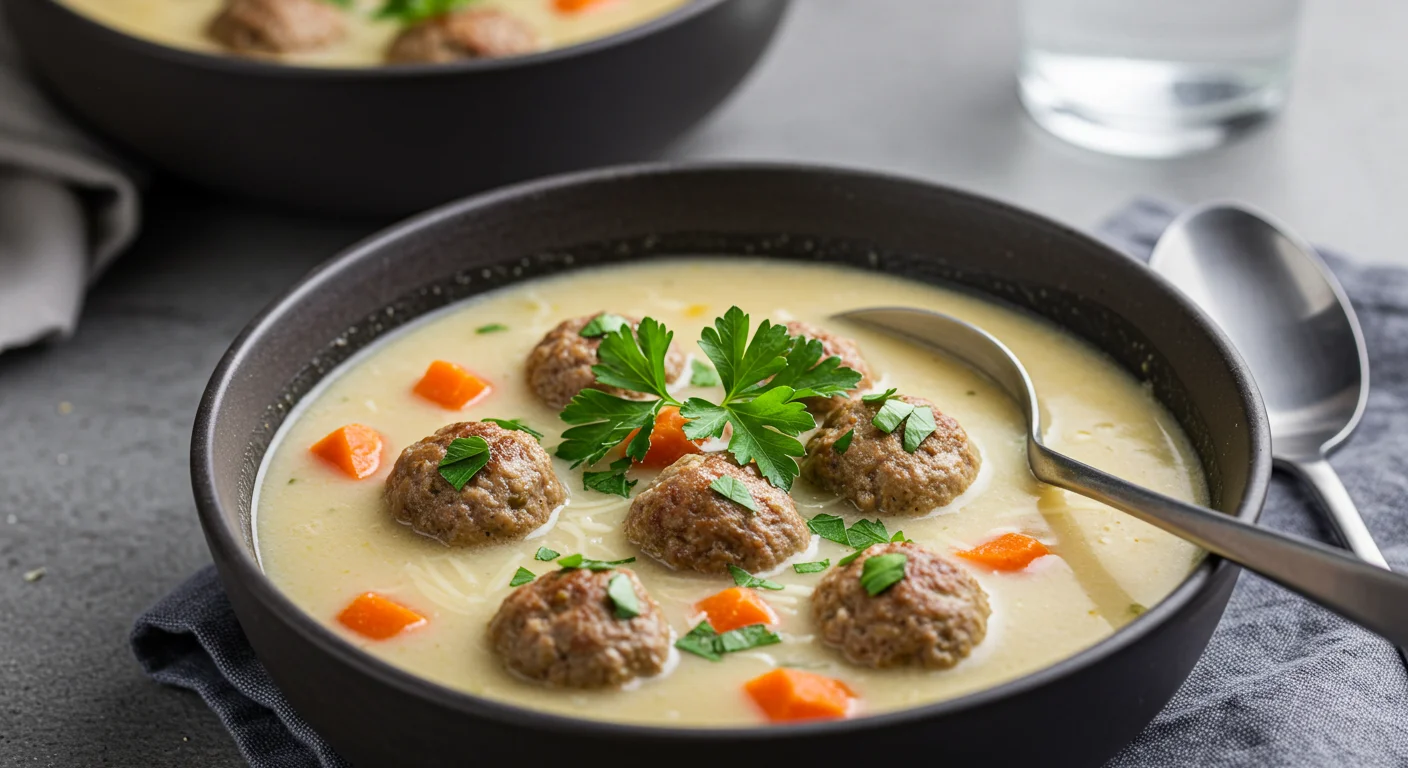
column 734, row 490
column 882, row 572
column 891, row 414
column 704, row 641
column 763, row 430
column 603, row 324
column 851, row 558
column 464, row 457
column 739, row 362
column 843, row 443
column 745, row 579
column 918, row 426
column 411, row 11
column 899, row 537
column 516, row 424
column 810, row 376
column 879, row 397
column 816, row 567
column 635, row 361
column 572, row 562
column 545, row 554
column 604, row 421
column 829, row 527
column 491, row 327
column 867, row 532
column 521, row 576
column 623, row 595
column 701, row 375
column 612, row 481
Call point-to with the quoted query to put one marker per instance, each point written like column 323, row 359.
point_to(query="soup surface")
column 325, row 538
column 185, row 24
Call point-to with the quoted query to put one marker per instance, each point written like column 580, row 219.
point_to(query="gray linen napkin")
column 67, row 208
column 1282, row 683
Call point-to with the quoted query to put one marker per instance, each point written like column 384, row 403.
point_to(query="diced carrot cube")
column 450, row 385
column 790, row 695
column 354, row 449
column 577, row 6
column 378, row 617
column 736, row 607
column 667, row 440
column 1008, row 552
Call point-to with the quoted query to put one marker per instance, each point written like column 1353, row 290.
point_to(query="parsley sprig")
column 860, row 536
column 764, row 379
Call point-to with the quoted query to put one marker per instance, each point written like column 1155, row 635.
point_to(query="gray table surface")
column 93, row 478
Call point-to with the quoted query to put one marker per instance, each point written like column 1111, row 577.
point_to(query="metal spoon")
column 1363, row 593
column 1288, row 316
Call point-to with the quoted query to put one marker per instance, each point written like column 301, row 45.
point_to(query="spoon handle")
column 1366, row 594
column 1344, row 516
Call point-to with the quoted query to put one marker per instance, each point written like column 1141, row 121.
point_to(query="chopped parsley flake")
column 704, row 641
column 816, row 567
column 412, row 11
column 464, row 457
column 572, row 562
column 829, row 527
column 623, row 595
column 516, row 424
column 603, row 324
column 491, row 328
column 867, row 532
column 745, row 579
column 843, row 443
column 546, row 555
column 734, row 490
column 891, row 414
column 701, row 375
column 611, row 481
column 522, row 576
column 918, row 426
column 918, row 421
column 882, row 572
column 1136, row 609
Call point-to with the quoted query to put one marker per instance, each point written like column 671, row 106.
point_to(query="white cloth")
column 67, row 208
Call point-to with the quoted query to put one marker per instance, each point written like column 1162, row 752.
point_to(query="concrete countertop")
column 93, row 477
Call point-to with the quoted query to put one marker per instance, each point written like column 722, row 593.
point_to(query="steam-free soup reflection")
column 849, row 530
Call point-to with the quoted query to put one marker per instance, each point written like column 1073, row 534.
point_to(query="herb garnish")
column 546, row 555
column 701, row 375
column 491, row 328
column 572, row 562
column 522, row 576
column 734, row 490
column 464, row 457
column 612, row 480
column 882, row 572
column 816, row 567
column 745, row 579
column 860, row 536
column 763, row 379
column 516, row 424
column 918, row 420
column 704, row 641
column 623, row 596
column 412, row 11
column 843, row 443
column 829, row 527
column 603, row 324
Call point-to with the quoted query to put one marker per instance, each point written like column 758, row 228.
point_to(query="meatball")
column 878, row 475
column 684, row 523
column 469, row 34
column 277, row 26
column 562, row 629
column 838, row 346
column 513, row 494
column 561, row 365
column 931, row 618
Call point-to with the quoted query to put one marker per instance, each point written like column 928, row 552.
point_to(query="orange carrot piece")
column 1008, row 552
column 736, row 607
column 789, row 695
column 577, row 6
column 667, row 440
column 354, row 449
column 377, row 617
column 450, row 385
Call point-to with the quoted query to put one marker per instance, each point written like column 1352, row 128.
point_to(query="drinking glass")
column 1155, row 78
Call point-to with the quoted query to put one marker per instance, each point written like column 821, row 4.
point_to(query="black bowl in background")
column 1076, row 712
column 395, row 140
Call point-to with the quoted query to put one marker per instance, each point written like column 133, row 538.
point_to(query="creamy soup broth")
column 183, row 24
column 324, row 538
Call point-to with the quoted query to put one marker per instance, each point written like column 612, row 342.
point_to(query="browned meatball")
column 513, row 494
column 277, row 26
column 562, row 629
column 561, row 365
column 684, row 523
column 933, row 617
column 878, row 475
column 837, row 346
column 474, row 33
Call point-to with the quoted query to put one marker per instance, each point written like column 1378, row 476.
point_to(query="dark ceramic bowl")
column 1076, row 712
column 395, row 140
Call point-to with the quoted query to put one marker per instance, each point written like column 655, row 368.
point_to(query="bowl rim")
column 257, row 67
column 1211, row 572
